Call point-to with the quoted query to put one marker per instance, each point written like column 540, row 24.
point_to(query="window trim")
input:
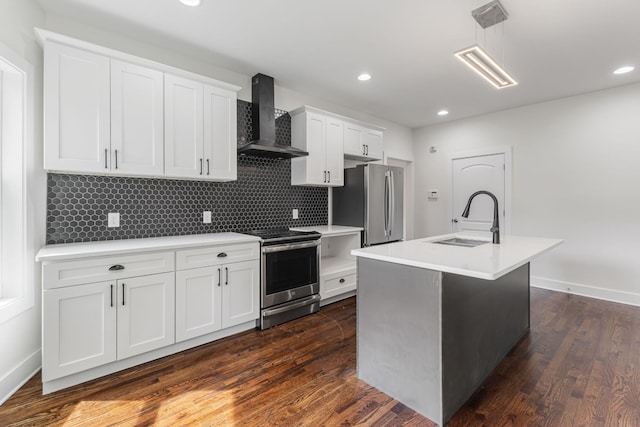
column 22, row 291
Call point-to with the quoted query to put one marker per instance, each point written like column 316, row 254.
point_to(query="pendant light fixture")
column 477, row 58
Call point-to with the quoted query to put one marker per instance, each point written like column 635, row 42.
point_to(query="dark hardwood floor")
column 578, row 366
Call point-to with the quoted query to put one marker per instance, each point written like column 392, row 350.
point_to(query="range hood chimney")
column 264, row 123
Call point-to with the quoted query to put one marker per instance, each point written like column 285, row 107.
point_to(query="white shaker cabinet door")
column 240, row 292
column 198, row 302
column 137, row 117
column 76, row 105
column 334, row 152
column 183, row 110
column 78, row 329
column 373, row 143
column 220, row 134
column 146, row 319
column 353, row 140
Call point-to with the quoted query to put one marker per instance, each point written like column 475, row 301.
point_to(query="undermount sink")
column 458, row 241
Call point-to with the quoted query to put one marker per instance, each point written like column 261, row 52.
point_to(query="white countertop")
column 330, row 230
column 112, row 247
column 487, row 261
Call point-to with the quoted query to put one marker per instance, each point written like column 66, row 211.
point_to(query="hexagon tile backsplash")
column 262, row 197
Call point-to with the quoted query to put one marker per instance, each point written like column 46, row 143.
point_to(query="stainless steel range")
column 290, row 275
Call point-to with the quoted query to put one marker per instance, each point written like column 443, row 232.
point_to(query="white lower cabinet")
column 78, row 329
column 337, row 284
column 90, row 325
column 145, row 314
column 212, row 298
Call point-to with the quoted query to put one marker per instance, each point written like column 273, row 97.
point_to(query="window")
column 16, row 124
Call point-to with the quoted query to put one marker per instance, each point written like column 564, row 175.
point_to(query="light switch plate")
column 206, row 217
column 295, row 214
column 113, row 219
column 433, row 195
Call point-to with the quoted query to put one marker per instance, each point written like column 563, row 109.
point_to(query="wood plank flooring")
column 578, row 366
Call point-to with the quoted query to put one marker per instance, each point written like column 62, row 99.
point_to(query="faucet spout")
column 495, row 228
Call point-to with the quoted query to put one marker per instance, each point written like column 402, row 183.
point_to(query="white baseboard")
column 586, row 291
column 19, row 375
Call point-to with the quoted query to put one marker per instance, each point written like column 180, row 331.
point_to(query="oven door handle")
column 289, row 246
column 307, row 301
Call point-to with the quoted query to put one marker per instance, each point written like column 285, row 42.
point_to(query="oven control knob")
column 222, row 255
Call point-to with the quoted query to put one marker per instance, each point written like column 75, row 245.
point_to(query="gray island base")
column 428, row 338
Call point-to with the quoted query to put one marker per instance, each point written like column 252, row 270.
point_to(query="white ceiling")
column 554, row 48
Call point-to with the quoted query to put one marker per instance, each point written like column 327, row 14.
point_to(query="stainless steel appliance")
column 290, row 275
column 372, row 198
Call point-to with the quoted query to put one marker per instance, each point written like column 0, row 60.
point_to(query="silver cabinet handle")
column 363, row 150
column 367, row 147
column 123, row 294
column 226, row 272
column 325, row 176
column 219, row 276
column 207, row 166
column 116, row 159
column 329, row 175
column 106, row 165
column 111, row 294
column 200, row 166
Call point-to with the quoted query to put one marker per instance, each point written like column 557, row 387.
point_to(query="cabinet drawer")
column 216, row 255
column 69, row 273
column 337, row 284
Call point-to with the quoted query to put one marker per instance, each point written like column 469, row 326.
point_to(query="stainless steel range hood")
column 264, row 124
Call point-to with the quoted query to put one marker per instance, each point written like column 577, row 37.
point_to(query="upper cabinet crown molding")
column 45, row 35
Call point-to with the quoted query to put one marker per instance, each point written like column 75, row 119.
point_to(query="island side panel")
column 481, row 322
column 398, row 315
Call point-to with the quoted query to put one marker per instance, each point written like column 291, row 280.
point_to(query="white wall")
column 576, row 176
column 20, row 335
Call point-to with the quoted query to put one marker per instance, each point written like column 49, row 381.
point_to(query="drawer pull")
column 222, row 255
column 341, row 280
column 116, row 267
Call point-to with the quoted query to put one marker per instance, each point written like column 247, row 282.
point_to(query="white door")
column 184, row 153
column 137, row 117
column 471, row 174
column 78, row 329
column 76, row 99
column 334, row 152
column 198, row 302
column 240, row 292
column 220, row 130
column 146, row 319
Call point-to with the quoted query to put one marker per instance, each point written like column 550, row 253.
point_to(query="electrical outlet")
column 206, row 217
column 295, row 214
column 113, row 219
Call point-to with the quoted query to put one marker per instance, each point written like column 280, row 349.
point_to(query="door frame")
column 507, row 151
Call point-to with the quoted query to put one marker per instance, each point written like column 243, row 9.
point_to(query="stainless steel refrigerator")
column 372, row 197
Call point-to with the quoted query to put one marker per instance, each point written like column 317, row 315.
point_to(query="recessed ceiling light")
column 364, row 77
column 624, row 70
column 190, row 2
column 443, row 112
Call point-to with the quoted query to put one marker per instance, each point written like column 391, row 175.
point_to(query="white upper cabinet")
column 76, row 104
column 107, row 112
column 137, row 137
column 322, row 137
column 200, row 130
column 220, row 133
column 183, row 127
column 362, row 142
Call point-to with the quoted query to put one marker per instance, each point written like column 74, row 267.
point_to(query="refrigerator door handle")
column 386, row 203
column 392, row 201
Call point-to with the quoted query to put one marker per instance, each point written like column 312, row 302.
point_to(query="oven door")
column 289, row 272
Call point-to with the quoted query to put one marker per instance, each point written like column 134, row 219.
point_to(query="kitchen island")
column 435, row 319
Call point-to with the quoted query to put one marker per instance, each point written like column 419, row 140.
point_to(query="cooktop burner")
column 283, row 235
